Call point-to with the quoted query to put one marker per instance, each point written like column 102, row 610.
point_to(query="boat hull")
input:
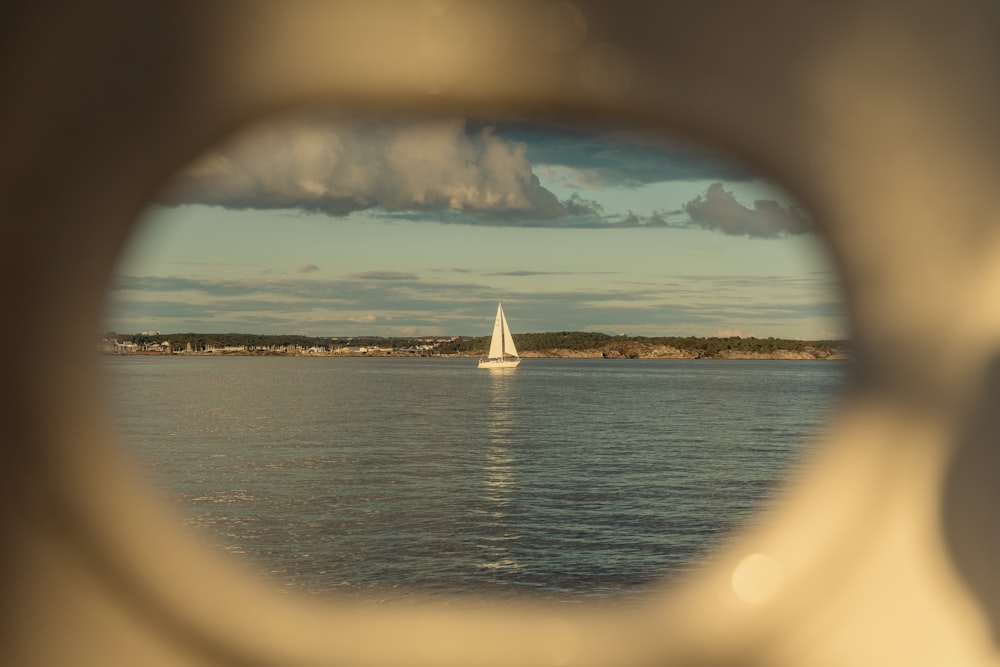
column 499, row 363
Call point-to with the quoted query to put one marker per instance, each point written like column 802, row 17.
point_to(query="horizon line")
column 839, row 339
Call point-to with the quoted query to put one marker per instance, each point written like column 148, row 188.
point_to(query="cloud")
column 384, row 275
column 719, row 210
column 338, row 167
column 308, row 268
column 652, row 220
column 675, row 305
column 523, row 273
column 446, row 170
column 168, row 284
column 528, row 274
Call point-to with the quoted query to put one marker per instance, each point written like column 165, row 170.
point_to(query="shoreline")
column 557, row 345
column 777, row 355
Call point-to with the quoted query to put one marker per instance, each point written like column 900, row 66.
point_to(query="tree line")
column 583, row 341
column 575, row 341
column 201, row 341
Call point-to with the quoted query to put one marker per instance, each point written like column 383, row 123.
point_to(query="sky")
column 329, row 226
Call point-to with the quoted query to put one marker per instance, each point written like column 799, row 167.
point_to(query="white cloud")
column 342, row 167
column 454, row 171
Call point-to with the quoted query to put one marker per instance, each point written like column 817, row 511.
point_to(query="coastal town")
column 152, row 343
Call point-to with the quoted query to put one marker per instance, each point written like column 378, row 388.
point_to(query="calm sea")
column 566, row 478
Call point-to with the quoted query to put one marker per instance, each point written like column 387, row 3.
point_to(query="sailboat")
column 502, row 354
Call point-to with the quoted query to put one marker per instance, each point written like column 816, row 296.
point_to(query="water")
column 566, row 478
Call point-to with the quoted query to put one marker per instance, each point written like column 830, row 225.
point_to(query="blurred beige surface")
column 880, row 116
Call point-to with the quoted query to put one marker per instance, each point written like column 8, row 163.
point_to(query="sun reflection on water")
column 499, row 480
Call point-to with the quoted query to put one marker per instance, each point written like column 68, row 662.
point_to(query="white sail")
column 503, row 353
column 496, row 343
column 508, row 340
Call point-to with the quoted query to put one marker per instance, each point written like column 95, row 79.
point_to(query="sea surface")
column 576, row 478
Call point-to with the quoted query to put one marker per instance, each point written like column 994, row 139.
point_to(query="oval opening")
column 294, row 331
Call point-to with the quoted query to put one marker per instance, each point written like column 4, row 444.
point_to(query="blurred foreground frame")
column 879, row 116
